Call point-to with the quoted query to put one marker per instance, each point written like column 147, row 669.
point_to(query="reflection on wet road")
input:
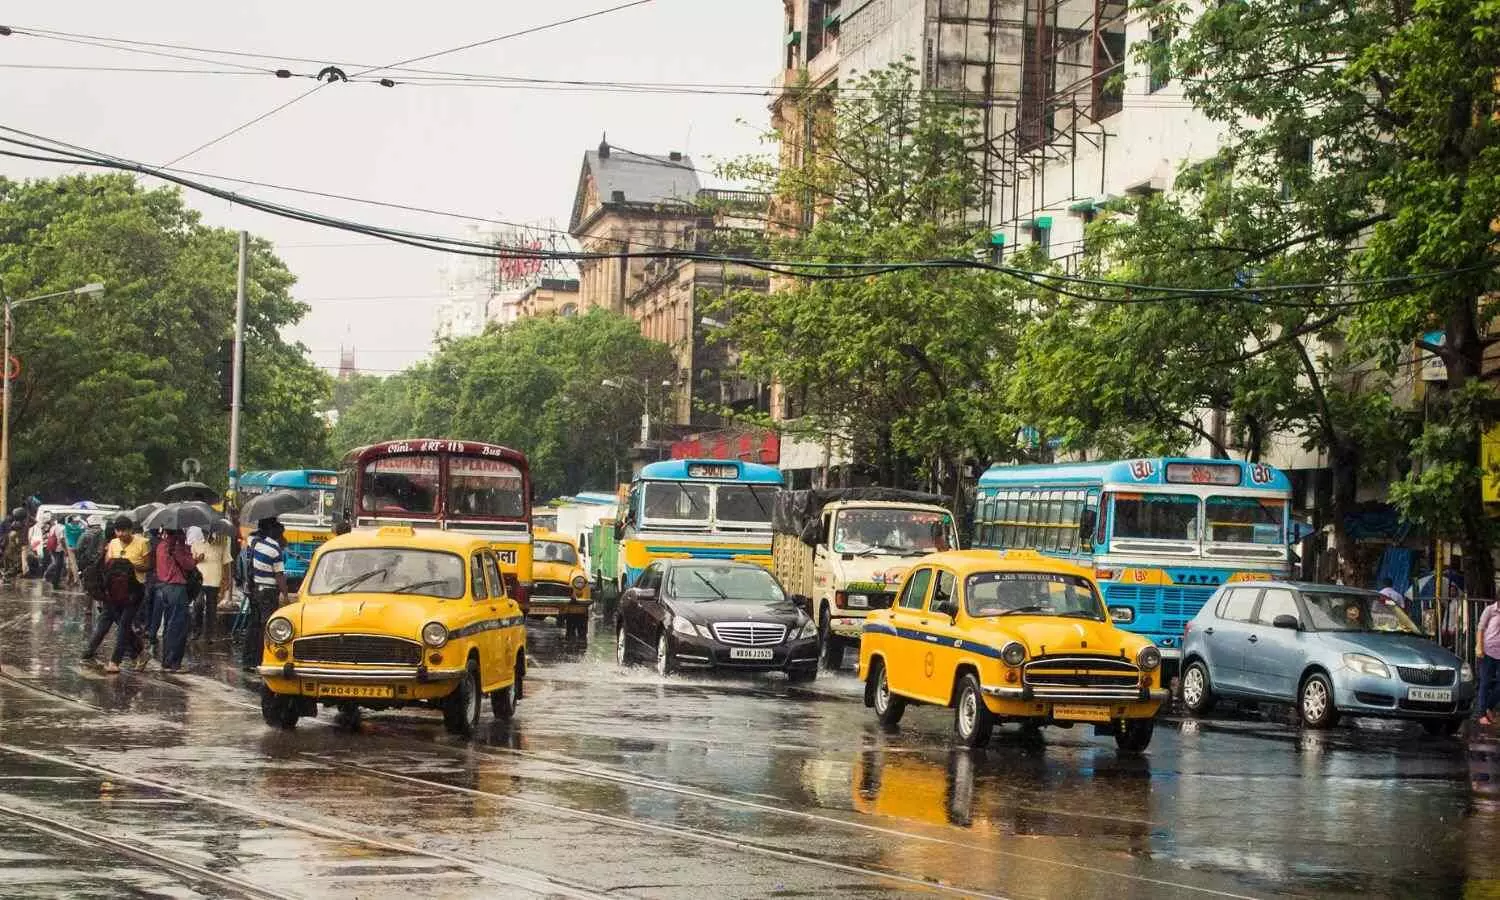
column 612, row 783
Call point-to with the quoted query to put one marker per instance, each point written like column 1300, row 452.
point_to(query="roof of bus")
column 1257, row 476
column 292, row 478
column 678, row 470
column 435, row 445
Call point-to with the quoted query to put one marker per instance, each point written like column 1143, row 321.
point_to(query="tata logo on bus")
column 1260, row 473
column 1141, row 469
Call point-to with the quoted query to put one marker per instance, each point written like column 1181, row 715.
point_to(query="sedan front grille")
column 357, row 648
column 1433, row 677
column 551, row 589
column 1081, row 672
column 750, row 634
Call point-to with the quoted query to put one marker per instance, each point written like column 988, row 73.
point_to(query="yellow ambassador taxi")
column 1013, row 637
column 559, row 585
column 397, row 617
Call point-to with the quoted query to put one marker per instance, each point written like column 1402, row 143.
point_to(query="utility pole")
column 237, row 377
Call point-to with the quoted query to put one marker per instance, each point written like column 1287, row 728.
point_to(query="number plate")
column 859, row 602
column 1081, row 713
column 1429, row 695
column 377, row 691
column 542, row 611
column 751, row 653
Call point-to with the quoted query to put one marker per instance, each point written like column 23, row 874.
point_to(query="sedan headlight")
column 579, row 583
column 434, row 634
column 1366, row 665
column 1013, row 654
column 279, row 630
column 683, row 626
column 1465, row 673
column 809, row 629
column 1148, row 659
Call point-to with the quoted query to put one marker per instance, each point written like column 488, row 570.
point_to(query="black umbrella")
column 142, row 512
column 180, row 517
column 270, row 505
column 189, row 490
column 221, row 526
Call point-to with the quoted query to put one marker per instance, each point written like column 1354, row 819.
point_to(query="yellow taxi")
column 559, row 585
column 397, row 617
column 1009, row 637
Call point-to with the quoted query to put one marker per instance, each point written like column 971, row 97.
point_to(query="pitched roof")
column 640, row 178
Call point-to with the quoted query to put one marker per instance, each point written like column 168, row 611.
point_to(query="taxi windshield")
column 1032, row 593
column 388, row 570
column 555, row 551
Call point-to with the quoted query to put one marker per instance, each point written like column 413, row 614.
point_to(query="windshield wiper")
column 358, row 580
column 699, row 576
column 1024, row 609
column 1081, row 614
column 416, row 584
column 686, row 493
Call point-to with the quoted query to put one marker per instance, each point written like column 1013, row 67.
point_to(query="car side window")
column 947, row 586
column 1275, row 602
column 1238, row 603
column 915, row 590
column 492, row 575
column 476, row 571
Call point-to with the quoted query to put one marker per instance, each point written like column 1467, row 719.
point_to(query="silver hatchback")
column 1326, row 649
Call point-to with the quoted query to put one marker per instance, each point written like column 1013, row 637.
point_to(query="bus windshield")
column 1156, row 517
column 1245, row 520
column 400, row 484
column 316, row 504
column 484, row 488
column 745, row 503
column 676, row 500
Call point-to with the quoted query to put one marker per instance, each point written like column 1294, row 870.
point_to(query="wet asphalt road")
column 621, row 784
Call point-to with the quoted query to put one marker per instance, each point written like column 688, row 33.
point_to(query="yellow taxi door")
column 905, row 653
column 484, row 611
column 940, row 661
column 510, row 637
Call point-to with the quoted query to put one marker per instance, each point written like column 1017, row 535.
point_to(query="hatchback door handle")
column 1254, row 638
column 1208, row 631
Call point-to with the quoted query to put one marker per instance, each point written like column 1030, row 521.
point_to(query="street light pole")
column 93, row 289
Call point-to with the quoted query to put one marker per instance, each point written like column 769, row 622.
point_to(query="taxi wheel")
column 348, row 716
column 971, row 718
column 503, row 701
column 1197, row 694
column 279, row 710
column 888, row 707
column 461, row 712
column 1134, row 735
column 666, row 662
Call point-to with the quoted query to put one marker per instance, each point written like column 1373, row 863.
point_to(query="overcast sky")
column 499, row 152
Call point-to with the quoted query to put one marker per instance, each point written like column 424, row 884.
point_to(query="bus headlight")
column 434, row 634
column 1148, row 659
column 279, row 630
column 1122, row 614
column 1013, row 654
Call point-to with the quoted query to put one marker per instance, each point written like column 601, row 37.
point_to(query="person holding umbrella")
column 176, row 575
column 268, row 589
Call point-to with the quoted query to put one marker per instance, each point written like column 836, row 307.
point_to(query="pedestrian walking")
column 72, row 533
column 56, row 544
column 1487, row 655
column 212, row 554
column 10, row 561
column 150, row 614
column 267, row 587
column 89, row 555
column 176, row 575
column 124, row 587
column 31, row 563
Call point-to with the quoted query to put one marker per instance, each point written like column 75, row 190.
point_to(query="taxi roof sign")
column 397, row 531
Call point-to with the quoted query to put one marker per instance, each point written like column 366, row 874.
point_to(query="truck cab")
column 846, row 551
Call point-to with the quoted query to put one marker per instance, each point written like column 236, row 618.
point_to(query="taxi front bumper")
column 395, row 674
column 1066, row 695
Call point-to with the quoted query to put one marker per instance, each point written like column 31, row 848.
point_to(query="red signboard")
column 746, row 446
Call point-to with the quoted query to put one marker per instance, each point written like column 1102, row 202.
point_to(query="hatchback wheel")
column 1197, row 695
column 461, row 709
column 1315, row 702
column 888, row 707
column 971, row 718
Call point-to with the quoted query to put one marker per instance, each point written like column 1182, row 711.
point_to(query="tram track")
column 56, row 828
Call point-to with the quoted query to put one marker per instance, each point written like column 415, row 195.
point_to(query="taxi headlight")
column 1148, row 659
column 434, row 634
column 1366, row 665
column 579, row 583
column 279, row 630
column 1013, row 654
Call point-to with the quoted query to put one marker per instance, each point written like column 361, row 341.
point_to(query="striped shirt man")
column 266, row 562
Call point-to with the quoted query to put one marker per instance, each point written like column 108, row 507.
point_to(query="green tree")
column 536, row 385
column 899, row 365
column 115, row 392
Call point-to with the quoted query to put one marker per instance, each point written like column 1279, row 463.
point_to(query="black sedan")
column 702, row 614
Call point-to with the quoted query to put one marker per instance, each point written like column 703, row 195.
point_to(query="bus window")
column 1009, row 509
column 1157, row 517
column 1025, row 536
column 400, row 484
column 1244, row 520
column 486, row 488
column 676, row 500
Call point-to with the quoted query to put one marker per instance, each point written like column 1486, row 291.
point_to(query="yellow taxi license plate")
column 1081, row 713
column 375, row 691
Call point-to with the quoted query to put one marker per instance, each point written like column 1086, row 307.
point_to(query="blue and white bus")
column 697, row 509
column 307, row 527
column 1160, row 534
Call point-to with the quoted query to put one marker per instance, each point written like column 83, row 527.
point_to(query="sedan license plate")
column 751, row 653
column 1081, row 713
column 1429, row 695
column 377, row 691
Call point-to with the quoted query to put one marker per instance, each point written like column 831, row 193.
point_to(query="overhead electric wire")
column 810, row 269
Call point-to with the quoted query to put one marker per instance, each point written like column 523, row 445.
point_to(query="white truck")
column 844, row 552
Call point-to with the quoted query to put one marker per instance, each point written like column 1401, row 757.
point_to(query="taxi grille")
column 750, row 634
column 551, row 589
column 1081, row 672
column 357, row 648
column 1430, row 677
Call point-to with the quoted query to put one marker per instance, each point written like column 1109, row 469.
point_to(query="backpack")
column 118, row 578
column 51, row 542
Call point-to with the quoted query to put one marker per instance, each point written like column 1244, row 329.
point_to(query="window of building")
column 1160, row 59
column 1041, row 233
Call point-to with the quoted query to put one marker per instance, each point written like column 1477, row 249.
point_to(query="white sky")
column 499, row 152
